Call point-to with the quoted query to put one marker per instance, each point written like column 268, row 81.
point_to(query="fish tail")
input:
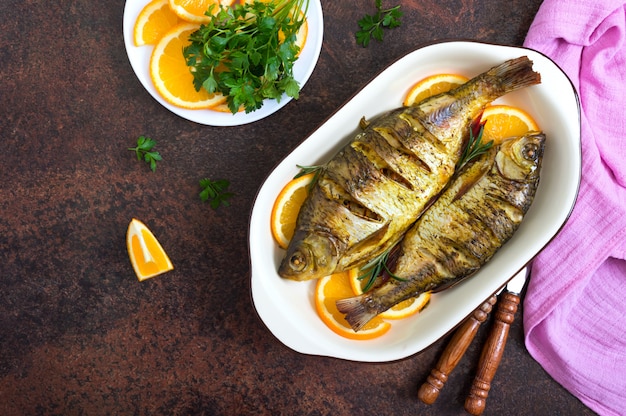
column 514, row 74
column 356, row 311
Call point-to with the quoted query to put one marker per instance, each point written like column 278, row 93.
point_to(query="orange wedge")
column 195, row 10
column 146, row 253
column 432, row 85
column 286, row 208
column 402, row 310
column 153, row 21
column 171, row 75
column 505, row 121
column 337, row 286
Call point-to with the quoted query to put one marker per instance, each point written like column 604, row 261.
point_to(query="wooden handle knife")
column 429, row 391
column 494, row 347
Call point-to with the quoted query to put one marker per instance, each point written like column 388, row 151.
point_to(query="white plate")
column 286, row 307
column 139, row 57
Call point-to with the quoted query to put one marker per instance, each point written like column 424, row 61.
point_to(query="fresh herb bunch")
column 372, row 25
column 215, row 192
column 143, row 150
column 246, row 52
column 475, row 146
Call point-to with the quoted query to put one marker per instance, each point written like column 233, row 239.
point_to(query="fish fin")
column 356, row 311
column 472, row 174
column 371, row 240
column 452, row 282
column 515, row 74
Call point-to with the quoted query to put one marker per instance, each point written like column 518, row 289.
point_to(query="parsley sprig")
column 375, row 268
column 215, row 192
column 475, row 146
column 144, row 151
column 372, row 25
column 247, row 52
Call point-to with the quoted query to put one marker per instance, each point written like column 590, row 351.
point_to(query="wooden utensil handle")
column 492, row 353
column 429, row 391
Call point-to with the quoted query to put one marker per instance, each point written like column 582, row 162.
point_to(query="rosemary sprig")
column 305, row 170
column 375, row 267
column 475, row 146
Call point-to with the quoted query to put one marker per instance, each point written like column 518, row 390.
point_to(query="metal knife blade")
column 516, row 284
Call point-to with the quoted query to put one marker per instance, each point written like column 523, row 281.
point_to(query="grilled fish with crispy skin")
column 371, row 191
column 479, row 212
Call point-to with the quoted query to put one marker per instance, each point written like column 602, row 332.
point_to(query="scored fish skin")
column 376, row 187
column 477, row 213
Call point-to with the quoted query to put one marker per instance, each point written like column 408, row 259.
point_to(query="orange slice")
column 337, row 286
column 286, row 208
column 223, row 108
column 402, row 310
column 302, row 35
column 171, row 75
column 146, row 253
column 153, row 21
column 505, row 121
column 195, row 10
column 432, row 85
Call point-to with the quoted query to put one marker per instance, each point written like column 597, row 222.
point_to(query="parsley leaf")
column 143, row 150
column 247, row 52
column 371, row 26
column 215, row 192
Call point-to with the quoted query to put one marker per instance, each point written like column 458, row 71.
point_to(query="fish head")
column 309, row 256
column 519, row 158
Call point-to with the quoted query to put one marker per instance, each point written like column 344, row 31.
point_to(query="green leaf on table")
column 215, row 192
column 144, row 151
column 371, row 26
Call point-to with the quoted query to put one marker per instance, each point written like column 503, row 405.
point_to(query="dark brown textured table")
column 80, row 335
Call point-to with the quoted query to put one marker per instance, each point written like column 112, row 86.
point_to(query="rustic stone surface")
column 80, row 335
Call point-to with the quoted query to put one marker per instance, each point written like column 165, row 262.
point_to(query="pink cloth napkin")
column 575, row 306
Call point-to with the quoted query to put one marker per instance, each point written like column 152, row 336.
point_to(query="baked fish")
column 375, row 188
column 477, row 213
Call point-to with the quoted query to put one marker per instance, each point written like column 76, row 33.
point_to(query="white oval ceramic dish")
column 286, row 307
column 303, row 68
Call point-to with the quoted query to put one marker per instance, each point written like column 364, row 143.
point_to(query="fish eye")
column 297, row 261
column 529, row 151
